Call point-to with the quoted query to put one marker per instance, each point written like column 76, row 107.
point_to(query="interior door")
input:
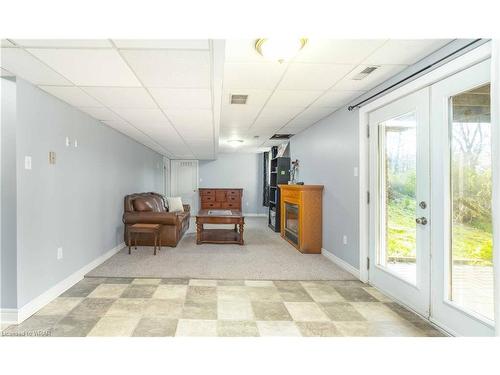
column 399, row 254
column 462, row 264
column 184, row 182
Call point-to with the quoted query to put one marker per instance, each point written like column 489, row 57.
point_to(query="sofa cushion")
column 174, row 204
column 142, row 205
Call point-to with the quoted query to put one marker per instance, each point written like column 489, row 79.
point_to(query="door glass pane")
column 471, row 268
column 398, row 250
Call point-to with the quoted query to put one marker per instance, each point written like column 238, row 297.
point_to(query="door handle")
column 421, row 220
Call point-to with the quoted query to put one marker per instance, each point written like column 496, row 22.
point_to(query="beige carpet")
column 265, row 255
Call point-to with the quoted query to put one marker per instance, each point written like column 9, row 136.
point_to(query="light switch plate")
column 76, row 143
column 59, row 253
column 27, row 162
column 344, row 240
column 68, row 142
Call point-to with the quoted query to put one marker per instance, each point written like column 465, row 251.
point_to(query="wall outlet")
column 355, row 171
column 27, row 162
column 59, row 253
column 344, row 239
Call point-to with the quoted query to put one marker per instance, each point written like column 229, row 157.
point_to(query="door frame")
column 481, row 53
column 173, row 176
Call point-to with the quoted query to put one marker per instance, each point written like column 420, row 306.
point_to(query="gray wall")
column 236, row 171
column 76, row 204
column 8, row 242
column 328, row 152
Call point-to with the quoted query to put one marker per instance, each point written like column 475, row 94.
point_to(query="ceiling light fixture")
column 235, row 142
column 280, row 50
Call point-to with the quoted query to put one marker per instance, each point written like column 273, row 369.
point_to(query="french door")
column 462, row 262
column 430, row 212
column 399, row 165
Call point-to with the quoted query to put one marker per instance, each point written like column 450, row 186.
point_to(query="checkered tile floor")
column 182, row 307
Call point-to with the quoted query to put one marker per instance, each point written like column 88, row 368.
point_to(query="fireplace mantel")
column 304, row 230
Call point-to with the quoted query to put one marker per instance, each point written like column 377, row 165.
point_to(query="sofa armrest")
column 187, row 207
column 167, row 218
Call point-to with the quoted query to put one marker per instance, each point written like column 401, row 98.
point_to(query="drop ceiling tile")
column 72, row 95
column 89, row 67
column 170, row 68
column 182, row 98
column 183, row 118
column 162, row 43
column 6, row 43
column 404, row 52
column 293, row 98
column 141, row 116
column 64, row 43
column 280, row 113
column 335, row 98
column 310, row 116
column 383, row 73
column 292, row 130
column 102, row 114
column 126, row 97
column 262, row 76
column 238, row 116
column 338, row 51
column 313, row 76
column 24, row 65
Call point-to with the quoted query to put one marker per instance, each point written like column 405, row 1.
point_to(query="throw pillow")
column 175, row 204
column 142, row 205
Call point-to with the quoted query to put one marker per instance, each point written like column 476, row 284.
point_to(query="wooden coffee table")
column 220, row 236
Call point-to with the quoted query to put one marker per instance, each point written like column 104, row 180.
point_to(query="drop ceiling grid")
column 147, row 90
column 160, row 148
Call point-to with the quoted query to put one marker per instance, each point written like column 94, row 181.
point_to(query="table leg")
column 241, row 233
column 199, row 230
column 155, row 244
column 236, row 227
column 159, row 241
column 129, row 241
column 135, row 240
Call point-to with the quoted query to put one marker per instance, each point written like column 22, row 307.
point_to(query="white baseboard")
column 255, row 215
column 17, row 316
column 341, row 263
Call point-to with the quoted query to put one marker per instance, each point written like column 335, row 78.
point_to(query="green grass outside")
column 470, row 243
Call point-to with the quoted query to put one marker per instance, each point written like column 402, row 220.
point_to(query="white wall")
column 8, row 242
column 236, row 171
column 76, row 204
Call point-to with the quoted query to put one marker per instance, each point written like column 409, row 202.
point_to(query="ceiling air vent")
column 239, row 99
column 281, row 136
column 364, row 73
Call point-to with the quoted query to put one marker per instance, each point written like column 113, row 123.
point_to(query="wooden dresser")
column 301, row 216
column 220, row 198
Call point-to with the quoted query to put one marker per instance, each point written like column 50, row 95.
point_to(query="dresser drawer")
column 207, row 198
column 233, row 193
column 207, row 192
column 234, row 206
column 233, row 198
column 207, row 205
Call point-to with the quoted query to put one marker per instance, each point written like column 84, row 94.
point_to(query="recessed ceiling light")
column 235, row 142
column 280, row 50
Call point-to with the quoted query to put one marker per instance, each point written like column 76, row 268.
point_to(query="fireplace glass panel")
column 292, row 222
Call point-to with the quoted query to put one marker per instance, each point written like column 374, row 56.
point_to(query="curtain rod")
column 359, row 104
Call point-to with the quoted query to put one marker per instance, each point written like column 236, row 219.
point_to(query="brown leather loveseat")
column 150, row 208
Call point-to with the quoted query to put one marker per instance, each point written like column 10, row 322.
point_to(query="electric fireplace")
column 292, row 222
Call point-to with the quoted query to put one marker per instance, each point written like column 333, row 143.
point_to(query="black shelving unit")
column 280, row 174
